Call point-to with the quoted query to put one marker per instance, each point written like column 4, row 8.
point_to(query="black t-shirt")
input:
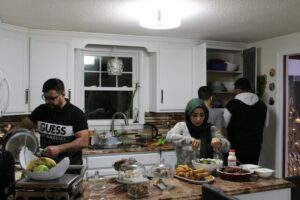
column 59, row 127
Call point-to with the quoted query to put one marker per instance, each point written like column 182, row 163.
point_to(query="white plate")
column 250, row 166
column 194, row 181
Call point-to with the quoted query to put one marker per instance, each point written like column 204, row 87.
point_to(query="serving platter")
column 194, row 181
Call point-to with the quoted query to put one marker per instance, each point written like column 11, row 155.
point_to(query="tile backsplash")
column 163, row 121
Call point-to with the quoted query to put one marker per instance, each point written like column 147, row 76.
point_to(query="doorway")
column 291, row 137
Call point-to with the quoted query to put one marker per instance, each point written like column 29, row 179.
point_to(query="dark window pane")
column 108, row 80
column 91, row 79
column 104, row 63
column 125, row 80
column 127, row 64
column 91, row 63
column 103, row 104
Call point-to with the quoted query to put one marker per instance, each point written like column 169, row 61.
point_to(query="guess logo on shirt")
column 55, row 132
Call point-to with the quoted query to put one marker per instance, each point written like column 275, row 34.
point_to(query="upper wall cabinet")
column 171, row 78
column 14, row 68
column 224, row 67
column 49, row 58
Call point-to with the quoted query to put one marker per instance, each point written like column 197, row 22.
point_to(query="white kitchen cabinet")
column 14, row 51
column 104, row 162
column 171, row 78
column 49, row 58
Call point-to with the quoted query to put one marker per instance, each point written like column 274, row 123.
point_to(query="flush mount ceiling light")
column 159, row 16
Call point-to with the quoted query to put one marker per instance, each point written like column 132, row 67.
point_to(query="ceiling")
column 221, row 20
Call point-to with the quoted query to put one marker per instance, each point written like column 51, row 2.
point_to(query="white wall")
column 270, row 53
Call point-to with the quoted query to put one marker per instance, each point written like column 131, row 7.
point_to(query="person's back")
column 245, row 117
column 215, row 116
column 247, row 122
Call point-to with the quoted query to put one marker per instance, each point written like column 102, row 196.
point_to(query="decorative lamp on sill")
column 115, row 66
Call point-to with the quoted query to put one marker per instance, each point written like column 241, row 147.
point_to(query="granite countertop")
column 133, row 147
column 184, row 190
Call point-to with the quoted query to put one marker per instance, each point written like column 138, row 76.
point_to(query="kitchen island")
column 258, row 189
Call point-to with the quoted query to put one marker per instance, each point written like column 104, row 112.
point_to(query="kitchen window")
column 103, row 93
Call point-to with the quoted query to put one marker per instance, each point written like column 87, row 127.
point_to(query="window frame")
column 137, row 72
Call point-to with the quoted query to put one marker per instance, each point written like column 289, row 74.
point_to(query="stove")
column 66, row 187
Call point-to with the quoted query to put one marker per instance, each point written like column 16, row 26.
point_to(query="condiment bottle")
column 231, row 160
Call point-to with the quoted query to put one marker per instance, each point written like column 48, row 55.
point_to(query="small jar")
column 231, row 160
column 139, row 190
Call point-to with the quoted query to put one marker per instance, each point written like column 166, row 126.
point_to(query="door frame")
column 280, row 111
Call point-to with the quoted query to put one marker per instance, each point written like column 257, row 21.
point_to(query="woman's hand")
column 216, row 144
column 195, row 144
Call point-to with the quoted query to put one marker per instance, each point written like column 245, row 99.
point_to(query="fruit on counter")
column 40, row 168
column 48, row 162
column 159, row 142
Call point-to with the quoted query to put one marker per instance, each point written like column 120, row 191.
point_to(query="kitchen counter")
column 134, row 147
column 188, row 191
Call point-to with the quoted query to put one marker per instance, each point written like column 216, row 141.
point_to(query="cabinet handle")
column 26, row 96
column 162, row 96
column 69, row 94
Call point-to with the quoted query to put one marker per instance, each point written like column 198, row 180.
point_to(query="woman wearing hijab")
column 195, row 138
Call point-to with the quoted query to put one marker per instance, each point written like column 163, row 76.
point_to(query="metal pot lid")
column 16, row 139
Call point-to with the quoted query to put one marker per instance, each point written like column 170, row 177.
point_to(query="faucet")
column 113, row 121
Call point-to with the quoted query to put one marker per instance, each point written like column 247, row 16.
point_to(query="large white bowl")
column 264, row 172
column 26, row 156
column 231, row 67
column 229, row 85
column 207, row 167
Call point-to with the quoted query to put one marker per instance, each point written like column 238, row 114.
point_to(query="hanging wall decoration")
column 271, row 101
column 272, row 72
column 271, row 86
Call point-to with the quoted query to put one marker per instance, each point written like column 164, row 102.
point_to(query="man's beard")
column 53, row 107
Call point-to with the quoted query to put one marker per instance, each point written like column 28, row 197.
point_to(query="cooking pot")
column 14, row 140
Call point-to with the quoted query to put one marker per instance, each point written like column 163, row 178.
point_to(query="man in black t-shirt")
column 246, row 117
column 62, row 126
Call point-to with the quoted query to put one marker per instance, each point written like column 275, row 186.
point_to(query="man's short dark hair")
column 243, row 84
column 54, row 84
column 204, row 92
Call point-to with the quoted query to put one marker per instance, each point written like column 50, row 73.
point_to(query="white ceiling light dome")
column 160, row 15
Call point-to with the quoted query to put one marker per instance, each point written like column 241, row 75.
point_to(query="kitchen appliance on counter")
column 14, row 140
column 67, row 187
